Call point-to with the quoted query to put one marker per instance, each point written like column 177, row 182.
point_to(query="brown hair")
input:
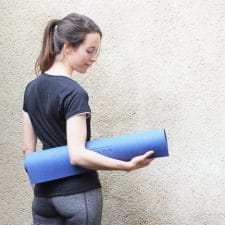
column 71, row 29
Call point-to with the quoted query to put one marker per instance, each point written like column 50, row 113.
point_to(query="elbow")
column 26, row 150
column 76, row 159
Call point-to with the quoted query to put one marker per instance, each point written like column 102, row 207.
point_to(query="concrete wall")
column 162, row 65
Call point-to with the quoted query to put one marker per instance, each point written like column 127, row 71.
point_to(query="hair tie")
column 56, row 25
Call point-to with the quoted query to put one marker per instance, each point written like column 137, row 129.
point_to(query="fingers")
column 143, row 157
column 140, row 161
column 148, row 154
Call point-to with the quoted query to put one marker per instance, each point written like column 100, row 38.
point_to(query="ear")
column 67, row 48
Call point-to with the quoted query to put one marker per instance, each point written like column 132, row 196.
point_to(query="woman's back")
column 50, row 101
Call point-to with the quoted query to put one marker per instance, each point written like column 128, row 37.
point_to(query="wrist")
column 125, row 166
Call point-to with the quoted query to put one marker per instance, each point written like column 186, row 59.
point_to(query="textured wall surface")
column 162, row 64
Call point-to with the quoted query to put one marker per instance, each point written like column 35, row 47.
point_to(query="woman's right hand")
column 139, row 161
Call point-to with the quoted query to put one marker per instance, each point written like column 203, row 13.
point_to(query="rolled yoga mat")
column 52, row 164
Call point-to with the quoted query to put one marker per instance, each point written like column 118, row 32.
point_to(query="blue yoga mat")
column 52, row 164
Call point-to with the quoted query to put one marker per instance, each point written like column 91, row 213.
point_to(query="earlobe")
column 67, row 51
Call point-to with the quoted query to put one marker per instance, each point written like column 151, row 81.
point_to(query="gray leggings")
column 78, row 209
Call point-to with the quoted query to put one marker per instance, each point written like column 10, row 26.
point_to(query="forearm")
column 93, row 160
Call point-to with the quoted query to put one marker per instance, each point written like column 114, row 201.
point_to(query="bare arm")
column 29, row 136
column 80, row 156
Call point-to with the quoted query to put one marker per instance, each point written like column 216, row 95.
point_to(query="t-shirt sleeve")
column 24, row 105
column 76, row 103
column 25, row 99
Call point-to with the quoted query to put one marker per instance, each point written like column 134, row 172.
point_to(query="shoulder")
column 30, row 84
column 69, row 86
column 35, row 81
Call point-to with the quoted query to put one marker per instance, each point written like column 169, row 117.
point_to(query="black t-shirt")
column 50, row 101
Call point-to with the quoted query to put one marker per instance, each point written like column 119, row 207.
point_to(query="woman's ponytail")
column 47, row 54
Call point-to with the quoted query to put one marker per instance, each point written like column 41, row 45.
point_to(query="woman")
column 56, row 111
